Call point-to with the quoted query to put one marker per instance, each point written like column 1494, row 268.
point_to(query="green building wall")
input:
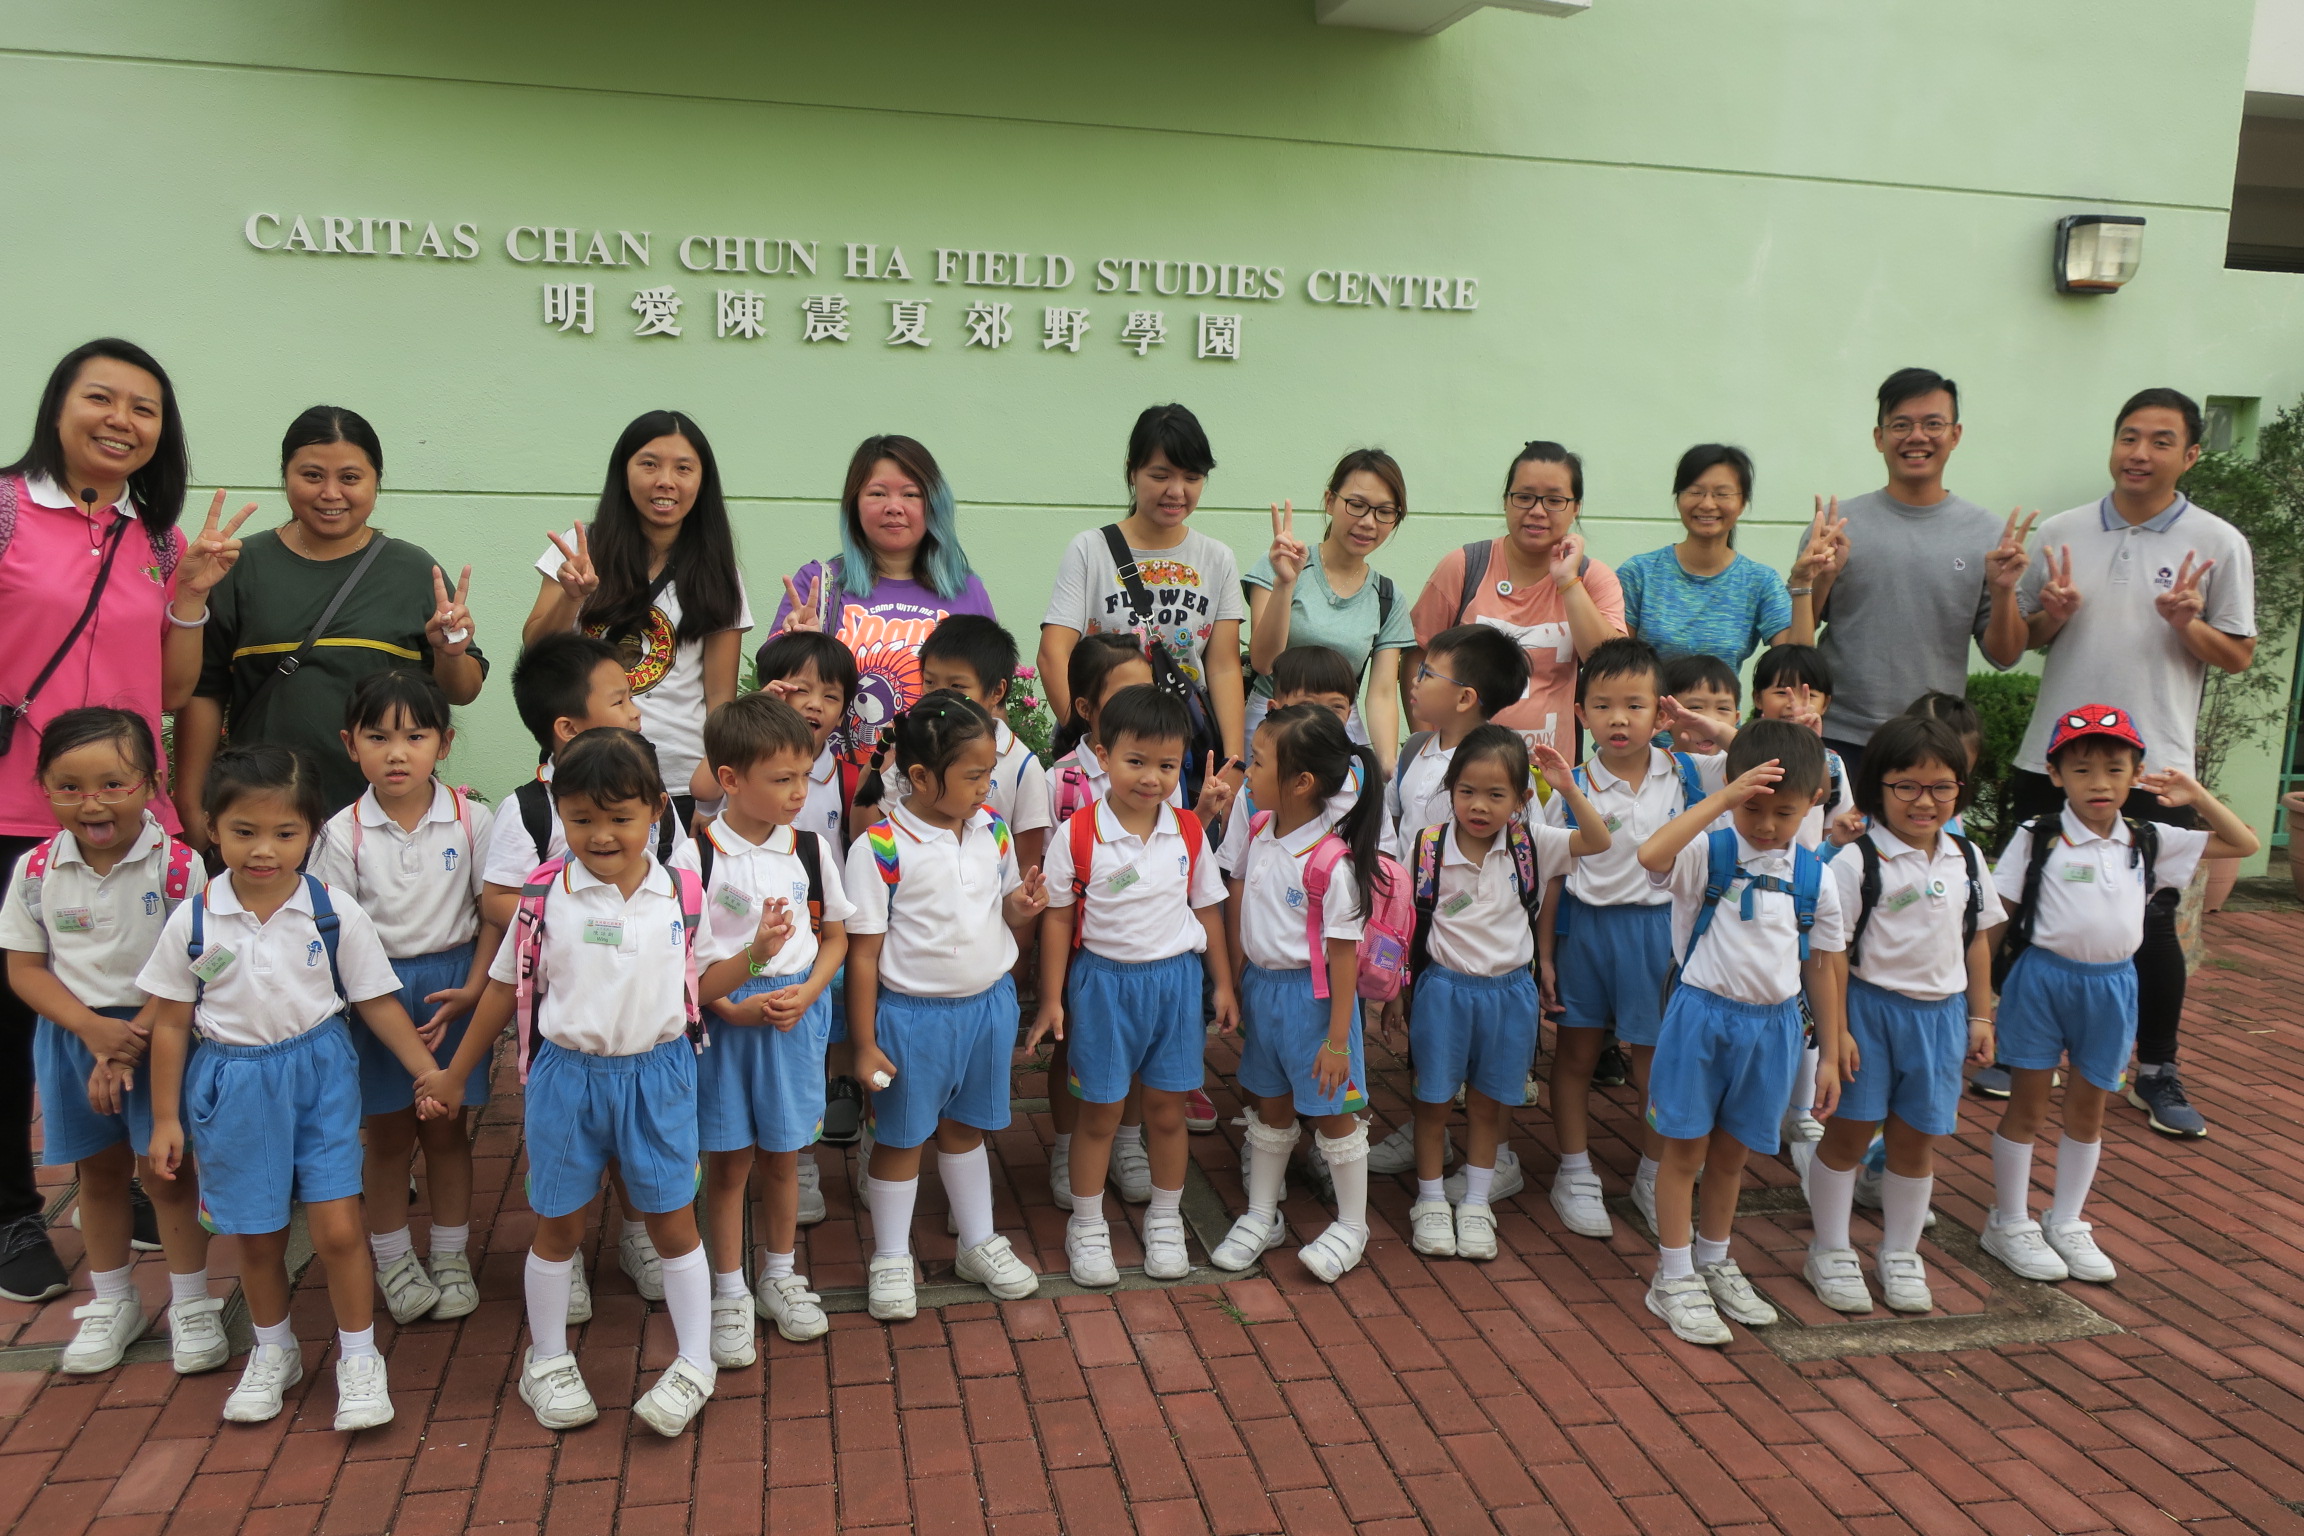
column 1682, row 220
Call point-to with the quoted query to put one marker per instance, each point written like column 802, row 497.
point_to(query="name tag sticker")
column 734, row 900
column 1613, row 823
column 75, row 920
column 1902, row 899
column 1456, row 903
column 2080, row 874
column 608, row 930
column 212, row 964
column 1123, row 880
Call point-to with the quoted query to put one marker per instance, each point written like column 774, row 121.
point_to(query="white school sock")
column 1903, row 1211
column 1267, row 1172
column 1578, row 1162
column 1647, row 1171
column 892, row 1201
column 1428, row 1190
column 1831, row 1196
column 2011, row 1179
column 1064, row 1144
column 1347, row 1159
column 774, row 1266
column 450, row 1240
column 2075, row 1172
column 191, row 1287
column 728, row 1285
column 1478, row 1183
column 1087, row 1210
column 1674, row 1263
column 1165, row 1201
column 279, row 1333
column 634, row 1228
column 1127, row 1135
column 351, row 1346
column 688, row 1297
column 967, row 1180
column 547, row 1282
column 1804, row 1083
column 1708, row 1251
column 390, row 1247
column 111, row 1283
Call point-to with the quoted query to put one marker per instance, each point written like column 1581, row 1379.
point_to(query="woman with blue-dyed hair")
column 655, row 574
column 900, row 572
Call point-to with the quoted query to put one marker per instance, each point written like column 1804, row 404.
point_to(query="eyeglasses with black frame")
column 1910, row 790
column 1385, row 512
column 1528, row 501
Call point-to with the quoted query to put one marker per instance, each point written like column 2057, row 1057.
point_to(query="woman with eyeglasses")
column 1535, row 584
column 1328, row 595
column 1699, row 597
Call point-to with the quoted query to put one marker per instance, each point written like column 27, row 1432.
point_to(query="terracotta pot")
column 2223, row 874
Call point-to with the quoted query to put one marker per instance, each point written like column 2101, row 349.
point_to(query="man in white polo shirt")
column 2134, row 597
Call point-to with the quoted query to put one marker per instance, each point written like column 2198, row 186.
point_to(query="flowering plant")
column 1028, row 713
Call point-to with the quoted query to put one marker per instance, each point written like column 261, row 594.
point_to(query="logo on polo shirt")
column 1184, row 864
column 2165, row 578
column 1959, row 562
column 800, row 891
column 312, row 953
column 679, row 933
column 448, row 860
column 151, row 903
column 1295, row 897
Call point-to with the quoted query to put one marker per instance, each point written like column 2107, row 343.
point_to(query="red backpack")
column 1082, row 831
column 1385, row 937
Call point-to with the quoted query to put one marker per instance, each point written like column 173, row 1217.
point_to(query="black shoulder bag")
column 1204, row 751
column 291, row 663
column 12, row 715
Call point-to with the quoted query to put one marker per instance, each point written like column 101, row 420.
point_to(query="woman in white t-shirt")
column 655, row 572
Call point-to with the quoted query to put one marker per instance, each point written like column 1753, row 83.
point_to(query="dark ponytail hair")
column 608, row 765
column 77, row 728
column 1094, row 659
column 332, row 424
column 1308, row 738
column 702, row 561
column 265, row 768
column 1484, row 742
column 928, row 735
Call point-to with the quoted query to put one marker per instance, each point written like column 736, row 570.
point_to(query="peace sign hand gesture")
column 1288, row 553
column 806, row 611
column 2059, row 599
column 576, row 576
column 2183, row 602
column 2004, row 566
column 1827, row 547
column 449, row 630
column 214, row 552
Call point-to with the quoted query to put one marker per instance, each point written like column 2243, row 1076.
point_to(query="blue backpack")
column 1691, row 793
column 323, row 918
column 1723, row 871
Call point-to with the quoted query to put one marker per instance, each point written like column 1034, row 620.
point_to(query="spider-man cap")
column 2094, row 720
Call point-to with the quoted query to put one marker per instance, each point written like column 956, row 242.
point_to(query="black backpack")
column 808, row 846
column 1868, row 895
column 2144, row 844
column 535, row 800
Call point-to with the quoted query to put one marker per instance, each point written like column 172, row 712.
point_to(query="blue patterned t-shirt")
column 1729, row 615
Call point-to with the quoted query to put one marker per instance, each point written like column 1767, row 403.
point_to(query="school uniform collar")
column 576, row 877
column 47, row 493
column 2160, row 523
column 1450, row 853
column 1597, row 773
column 1891, row 846
column 919, row 831
column 1110, row 830
column 1002, row 737
column 224, row 897
column 1299, row 842
column 148, row 837
column 829, row 762
column 1762, row 861
column 371, row 811
column 728, row 841
column 2076, row 831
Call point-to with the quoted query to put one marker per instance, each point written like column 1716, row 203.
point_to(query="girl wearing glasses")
column 1919, row 999
column 1328, row 595
column 1699, row 597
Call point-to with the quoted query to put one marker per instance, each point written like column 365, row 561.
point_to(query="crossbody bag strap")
column 1124, row 566
column 18, row 711
column 291, row 663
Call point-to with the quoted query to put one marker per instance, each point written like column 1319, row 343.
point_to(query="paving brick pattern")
column 1530, row 1395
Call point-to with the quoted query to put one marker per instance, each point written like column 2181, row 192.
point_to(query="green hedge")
column 2004, row 700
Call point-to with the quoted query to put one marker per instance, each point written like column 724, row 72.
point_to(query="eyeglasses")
column 1905, row 426
column 1910, row 790
column 1697, row 495
column 1528, row 501
column 111, row 794
column 1384, row 512
column 1425, row 671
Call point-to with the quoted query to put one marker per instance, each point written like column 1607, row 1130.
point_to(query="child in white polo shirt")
column 931, row 1004
column 2076, row 885
column 974, row 657
column 408, row 851
column 260, row 968
column 601, row 973
column 82, row 915
column 1133, row 925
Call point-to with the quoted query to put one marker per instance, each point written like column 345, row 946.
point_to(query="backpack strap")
column 1425, row 893
column 1720, row 873
column 808, row 848
column 1522, row 844
column 1475, row 572
column 2043, row 831
column 689, row 887
column 1868, row 897
column 1567, row 810
column 1974, row 862
column 850, row 774
column 1691, row 782
column 1072, row 792
column 1195, row 843
column 1319, row 863
column 527, row 939
column 705, row 849
column 192, row 950
column 2144, row 844
column 1081, row 831
column 535, row 800
column 1408, row 754
column 324, row 918
column 177, row 883
column 1807, row 889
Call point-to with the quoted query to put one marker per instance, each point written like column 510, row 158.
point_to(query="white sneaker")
column 637, row 1255
column 1837, row 1277
column 1250, row 1239
column 1165, row 1256
column 408, row 1291
column 459, row 1292
column 993, row 1265
column 1060, row 1176
column 797, row 1311
column 1396, row 1153
column 579, row 1293
column 363, row 1400
column 672, row 1404
column 891, row 1294
column 1475, row 1231
column 2075, row 1243
column 1904, row 1283
column 107, row 1327
column 811, row 1193
column 1532, row 1091
column 554, row 1390
column 1334, row 1251
column 1686, row 1307
column 1132, row 1171
column 1432, row 1228
column 196, row 1335
column 1733, row 1294
column 271, row 1371
column 733, row 1346
column 1644, row 1201
column 1088, row 1249
column 1801, row 1127
column 2021, row 1246
column 1581, row 1204
column 1509, row 1179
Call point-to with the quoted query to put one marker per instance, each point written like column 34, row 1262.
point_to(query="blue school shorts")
column 838, row 992
column 1125, row 1021
column 760, row 1086
column 951, row 1056
column 1723, row 1065
column 1472, row 1030
column 69, row 1129
column 385, row 1085
column 585, row 1112
column 272, row 1124
column 1908, row 1056
column 1609, row 968
column 2052, row 1008
column 1286, row 1029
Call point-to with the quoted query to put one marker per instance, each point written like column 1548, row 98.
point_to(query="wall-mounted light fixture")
column 2097, row 252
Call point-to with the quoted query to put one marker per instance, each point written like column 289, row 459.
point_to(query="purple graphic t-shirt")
column 884, row 631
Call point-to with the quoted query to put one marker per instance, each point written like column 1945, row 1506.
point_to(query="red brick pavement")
column 1530, row 1395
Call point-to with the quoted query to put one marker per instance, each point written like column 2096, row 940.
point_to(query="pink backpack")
column 528, row 951
column 1387, row 935
column 1072, row 791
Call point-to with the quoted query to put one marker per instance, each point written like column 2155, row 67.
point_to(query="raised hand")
column 1827, row 547
column 449, row 630
column 1288, row 553
column 2183, row 602
column 1217, row 792
column 776, row 926
column 1567, row 558
column 2059, row 599
column 1846, row 827
column 2004, row 565
column 1760, row 780
column 1555, row 768
column 214, row 552
column 805, row 611
column 2173, row 786
column 1804, row 710
column 1679, row 719
column 576, row 576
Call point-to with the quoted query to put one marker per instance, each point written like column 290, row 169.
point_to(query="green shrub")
column 2004, row 700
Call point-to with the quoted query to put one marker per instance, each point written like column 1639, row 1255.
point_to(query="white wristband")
column 198, row 623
